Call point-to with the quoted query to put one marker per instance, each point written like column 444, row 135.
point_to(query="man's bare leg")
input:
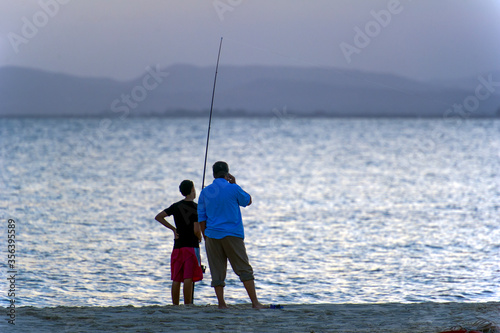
column 188, row 291
column 176, row 290
column 219, row 292
column 250, row 287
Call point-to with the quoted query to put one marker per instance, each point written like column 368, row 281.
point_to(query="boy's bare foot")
column 222, row 304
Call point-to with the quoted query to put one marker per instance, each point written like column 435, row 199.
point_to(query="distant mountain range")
column 244, row 91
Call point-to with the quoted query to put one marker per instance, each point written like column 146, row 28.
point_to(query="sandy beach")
column 415, row 317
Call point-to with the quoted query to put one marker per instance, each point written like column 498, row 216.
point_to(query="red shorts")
column 185, row 263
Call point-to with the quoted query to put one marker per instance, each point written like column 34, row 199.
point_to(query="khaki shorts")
column 219, row 251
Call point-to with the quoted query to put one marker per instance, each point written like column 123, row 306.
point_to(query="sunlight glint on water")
column 345, row 210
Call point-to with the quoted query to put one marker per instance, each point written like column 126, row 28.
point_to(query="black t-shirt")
column 185, row 214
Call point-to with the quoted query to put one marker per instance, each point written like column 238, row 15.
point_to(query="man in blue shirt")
column 221, row 223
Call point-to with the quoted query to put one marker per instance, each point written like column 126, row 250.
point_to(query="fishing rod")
column 208, row 133
column 210, row 118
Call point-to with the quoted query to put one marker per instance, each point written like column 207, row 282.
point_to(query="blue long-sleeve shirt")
column 219, row 205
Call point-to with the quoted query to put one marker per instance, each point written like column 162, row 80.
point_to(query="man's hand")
column 230, row 178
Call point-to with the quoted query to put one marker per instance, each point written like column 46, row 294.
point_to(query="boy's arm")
column 161, row 218
column 202, row 213
column 197, row 231
column 203, row 226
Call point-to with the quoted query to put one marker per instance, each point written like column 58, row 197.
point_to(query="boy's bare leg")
column 219, row 292
column 176, row 291
column 188, row 291
column 250, row 287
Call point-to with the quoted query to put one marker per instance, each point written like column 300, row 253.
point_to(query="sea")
column 345, row 210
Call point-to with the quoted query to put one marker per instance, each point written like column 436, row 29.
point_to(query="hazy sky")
column 119, row 38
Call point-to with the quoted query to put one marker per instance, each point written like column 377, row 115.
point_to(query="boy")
column 185, row 259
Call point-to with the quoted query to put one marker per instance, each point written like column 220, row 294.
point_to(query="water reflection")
column 344, row 211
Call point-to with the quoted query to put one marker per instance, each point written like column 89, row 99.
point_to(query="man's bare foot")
column 259, row 306
column 223, row 305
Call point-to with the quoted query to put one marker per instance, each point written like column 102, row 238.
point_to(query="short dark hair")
column 186, row 187
column 220, row 169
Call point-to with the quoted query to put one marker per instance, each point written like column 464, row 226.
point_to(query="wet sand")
column 414, row 317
